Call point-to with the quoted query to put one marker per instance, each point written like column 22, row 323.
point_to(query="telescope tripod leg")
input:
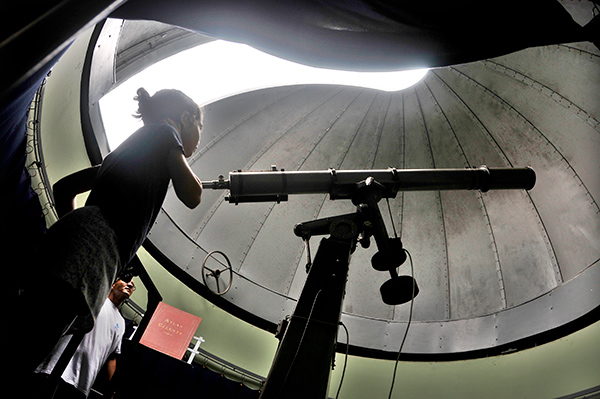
column 302, row 364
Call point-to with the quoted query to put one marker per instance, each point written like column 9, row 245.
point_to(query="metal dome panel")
column 488, row 264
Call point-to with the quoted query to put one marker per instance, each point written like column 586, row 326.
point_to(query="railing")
column 203, row 358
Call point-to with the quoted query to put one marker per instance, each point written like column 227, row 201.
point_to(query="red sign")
column 170, row 330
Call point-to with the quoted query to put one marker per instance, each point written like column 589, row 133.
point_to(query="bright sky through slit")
column 219, row 69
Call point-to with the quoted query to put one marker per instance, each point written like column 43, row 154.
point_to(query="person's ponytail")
column 144, row 100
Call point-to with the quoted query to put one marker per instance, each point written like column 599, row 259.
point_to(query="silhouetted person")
column 72, row 270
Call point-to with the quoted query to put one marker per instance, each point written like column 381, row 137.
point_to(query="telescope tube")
column 274, row 185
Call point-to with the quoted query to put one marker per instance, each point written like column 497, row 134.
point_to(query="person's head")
column 121, row 290
column 175, row 108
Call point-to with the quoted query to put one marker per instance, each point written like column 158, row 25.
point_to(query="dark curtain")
column 33, row 37
column 22, row 222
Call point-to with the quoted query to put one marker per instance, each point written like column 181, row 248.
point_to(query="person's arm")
column 66, row 189
column 186, row 184
column 111, row 366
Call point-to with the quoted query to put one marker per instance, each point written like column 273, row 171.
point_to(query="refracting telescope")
column 365, row 188
column 308, row 339
column 276, row 185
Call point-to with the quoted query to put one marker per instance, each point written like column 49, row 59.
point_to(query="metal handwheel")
column 208, row 272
